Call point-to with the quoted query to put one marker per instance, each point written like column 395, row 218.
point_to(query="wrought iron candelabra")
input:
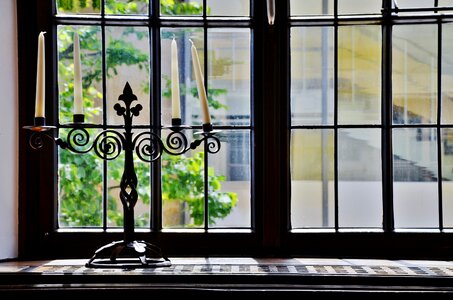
column 108, row 144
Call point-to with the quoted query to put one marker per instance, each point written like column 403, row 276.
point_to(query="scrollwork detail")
column 108, row 144
column 148, row 146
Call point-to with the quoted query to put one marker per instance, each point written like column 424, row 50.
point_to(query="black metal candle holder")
column 108, row 144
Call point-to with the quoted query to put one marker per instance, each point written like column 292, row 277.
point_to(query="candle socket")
column 78, row 118
column 176, row 122
column 40, row 121
column 207, row 127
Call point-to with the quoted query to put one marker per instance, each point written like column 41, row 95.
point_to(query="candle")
column 40, row 78
column 78, row 99
column 175, row 99
column 271, row 11
column 200, row 86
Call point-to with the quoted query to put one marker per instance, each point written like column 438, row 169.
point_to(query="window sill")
column 205, row 276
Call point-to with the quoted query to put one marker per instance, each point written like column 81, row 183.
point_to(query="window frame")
column 270, row 234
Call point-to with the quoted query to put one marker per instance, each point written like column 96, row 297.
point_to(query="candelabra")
column 108, row 145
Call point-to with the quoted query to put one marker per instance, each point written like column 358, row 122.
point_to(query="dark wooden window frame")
column 271, row 233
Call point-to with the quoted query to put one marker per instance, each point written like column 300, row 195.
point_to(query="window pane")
column 115, row 169
column 229, row 76
column 70, row 7
column 91, row 62
column 190, row 104
column 415, row 188
column 126, row 7
column 359, row 178
column 229, row 181
column 447, row 73
column 183, row 187
column 415, row 3
column 414, row 74
column 446, row 3
column 447, row 176
column 359, row 7
column 80, row 186
column 312, row 76
column 127, row 50
column 228, row 8
column 312, row 185
column 181, row 8
column 359, row 74
column 311, row 7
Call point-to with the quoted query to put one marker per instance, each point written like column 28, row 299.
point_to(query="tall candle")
column 40, row 78
column 200, row 86
column 78, row 99
column 175, row 98
column 271, row 11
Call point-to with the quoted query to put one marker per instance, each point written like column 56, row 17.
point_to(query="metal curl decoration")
column 77, row 140
column 36, row 141
column 212, row 144
column 107, row 146
column 148, row 146
column 176, row 143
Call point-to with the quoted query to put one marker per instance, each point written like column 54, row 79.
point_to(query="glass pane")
column 181, row 8
column 312, row 174
column 229, row 76
column 359, row 74
column 447, row 73
column 80, row 186
column 359, row 7
column 115, row 169
column 415, row 3
column 445, row 3
column 414, row 74
column 312, row 76
column 70, row 7
column 311, row 7
column 229, row 181
column 127, row 61
column 183, row 188
column 228, row 8
column 415, row 188
column 91, row 62
column 447, row 176
column 359, row 178
column 189, row 103
column 127, row 7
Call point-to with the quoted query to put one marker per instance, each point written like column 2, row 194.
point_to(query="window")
column 335, row 127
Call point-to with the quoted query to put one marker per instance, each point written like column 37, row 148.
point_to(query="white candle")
column 271, row 11
column 175, row 98
column 200, row 86
column 40, row 79
column 78, row 99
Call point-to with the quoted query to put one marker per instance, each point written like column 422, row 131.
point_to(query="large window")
column 336, row 127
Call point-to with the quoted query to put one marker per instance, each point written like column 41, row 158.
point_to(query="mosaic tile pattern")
column 175, row 269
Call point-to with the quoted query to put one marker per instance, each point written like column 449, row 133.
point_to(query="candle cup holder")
column 78, row 118
column 108, row 144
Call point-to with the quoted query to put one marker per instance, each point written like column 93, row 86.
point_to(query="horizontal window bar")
column 100, row 126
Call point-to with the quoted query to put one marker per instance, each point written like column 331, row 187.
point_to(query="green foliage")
column 177, row 7
column 183, row 179
column 81, row 177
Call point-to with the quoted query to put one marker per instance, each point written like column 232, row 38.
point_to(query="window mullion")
column 387, row 156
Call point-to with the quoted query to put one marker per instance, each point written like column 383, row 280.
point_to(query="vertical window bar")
column 335, row 84
column 324, row 137
column 439, row 113
column 206, row 84
column 156, row 191
column 104, row 117
column 386, row 113
column 151, row 77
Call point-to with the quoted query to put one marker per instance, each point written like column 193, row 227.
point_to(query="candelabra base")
column 128, row 255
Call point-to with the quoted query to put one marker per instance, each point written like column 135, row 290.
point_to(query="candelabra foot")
column 126, row 255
